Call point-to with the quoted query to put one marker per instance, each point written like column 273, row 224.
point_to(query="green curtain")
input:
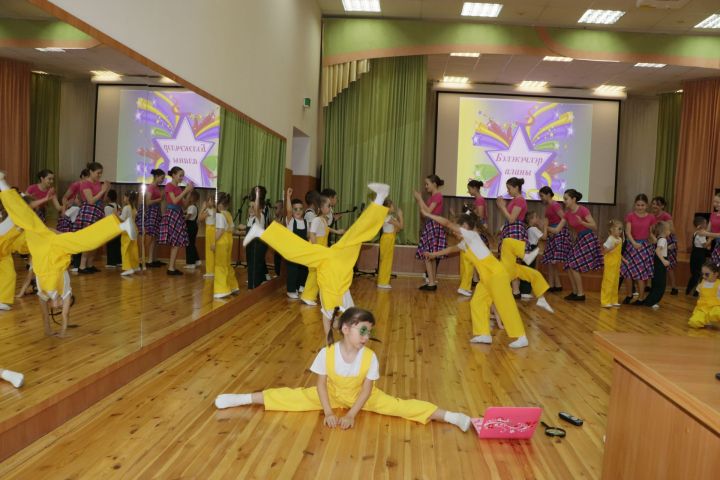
column 668, row 135
column 249, row 156
column 44, row 124
column 374, row 132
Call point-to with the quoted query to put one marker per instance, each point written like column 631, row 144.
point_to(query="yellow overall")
column 466, row 271
column 344, row 391
column 511, row 251
column 51, row 251
column 129, row 248
column 311, row 289
column 493, row 288
column 707, row 309
column 611, row 276
column 387, row 252
column 334, row 264
column 8, row 276
column 209, row 254
column 225, row 281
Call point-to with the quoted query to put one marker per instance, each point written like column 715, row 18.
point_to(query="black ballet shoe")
column 517, row 296
column 84, row 271
column 571, row 297
column 430, row 288
column 579, row 298
column 695, row 293
column 628, row 300
column 674, row 291
column 174, row 272
column 639, row 303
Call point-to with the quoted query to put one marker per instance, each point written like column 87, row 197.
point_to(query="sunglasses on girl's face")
column 707, row 274
column 364, row 331
column 297, row 209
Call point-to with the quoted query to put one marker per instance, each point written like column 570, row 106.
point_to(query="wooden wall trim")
column 67, row 17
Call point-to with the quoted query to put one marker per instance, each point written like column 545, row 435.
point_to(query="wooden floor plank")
column 164, row 423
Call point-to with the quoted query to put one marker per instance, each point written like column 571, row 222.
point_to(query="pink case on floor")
column 508, row 422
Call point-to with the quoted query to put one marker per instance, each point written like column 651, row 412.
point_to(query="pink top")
column 175, row 190
column 715, row 222
column 437, row 199
column 573, row 218
column 35, row 192
column 518, row 202
column 664, row 217
column 94, row 188
column 74, row 190
column 480, row 202
column 552, row 213
column 155, row 192
column 640, row 226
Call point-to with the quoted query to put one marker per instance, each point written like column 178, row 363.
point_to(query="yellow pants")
column 493, row 288
column 610, row 284
column 702, row 316
column 311, row 288
column 334, row 264
column 7, row 280
column 51, row 251
column 387, row 251
column 307, row 399
column 130, row 254
column 466, row 272
column 209, row 254
column 225, row 281
column 511, row 251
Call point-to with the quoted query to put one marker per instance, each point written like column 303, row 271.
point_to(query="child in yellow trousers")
column 9, row 235
column 225, row 282
column 612, row 250
column 128, row 247
column 493, row 287
column 347, row 371
column 393, row 224
column 51, row 251
column 207, row 215
column 707, row 309
column 334, row 264
column 512, row 250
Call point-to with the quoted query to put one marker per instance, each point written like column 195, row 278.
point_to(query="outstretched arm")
column 443, row 252
column 444, row 222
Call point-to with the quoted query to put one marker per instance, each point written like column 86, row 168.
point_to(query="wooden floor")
column 116, row 316
column 164, row 424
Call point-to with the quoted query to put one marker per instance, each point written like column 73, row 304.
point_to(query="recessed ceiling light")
column 651, row 65
column 532, row 84
column 605, row 17
column 51, row 49
column 39, row 72
column 475, row 9
column 597, row 60
column 105, row 76
column 557, row 59
column 361, row 5
column 713, row 21
column 167, row 80
column 449, row 79
column 679, row 91
column 610, row 90
column 465, row 54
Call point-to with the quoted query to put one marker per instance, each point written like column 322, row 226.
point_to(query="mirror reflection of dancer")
column 558, row 244
column 334, row 265
column 92, row 194
column 173, row 230
column 148, row 222
column 51, row 251
column 493, row 287
column 346, row 372
column 15, row 378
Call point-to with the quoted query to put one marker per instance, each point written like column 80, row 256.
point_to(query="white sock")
column 543, row 303
column 460, row 420
column 381, row 192
column 481, row 339
column 17, row 379
column 255, row 232
column 519, row 343
column 4, row 306
column 227, row 400
column 128, row 227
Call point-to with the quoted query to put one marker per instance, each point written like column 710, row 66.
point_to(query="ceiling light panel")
column 603, row 17
column 651, row 65
column 557, row 59
column 361, row 5
column 465, row 54
column 713, row 21
column 475, row 9
column 449, row 79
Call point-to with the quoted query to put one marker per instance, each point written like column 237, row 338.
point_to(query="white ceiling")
column 21, row 9
column 512, row 69
column 557, row 13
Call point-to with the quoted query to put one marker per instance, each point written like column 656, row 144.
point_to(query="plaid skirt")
column 432, row 239
column 41, row 213
column 64, row 224
column 89, row 214
column 715, row 256
column 557, row 247
column 585, row 253
column 516, row 230
column 173, row 229
column 672, row 251
column 639, row 264
column 152, row 221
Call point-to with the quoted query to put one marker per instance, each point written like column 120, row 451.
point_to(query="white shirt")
column 472, row 240
column 534, row 235
column 699, row 241
column 309, row 215
column 222, row 223
column 126, row 212
column 387, row 226
column 252, row 219
column 192, row 213
column 661, row 247
column 330, row 218
column 318, row 227
column 300, row 224
column 611, row 242
column 72, row 213
column 210, row 219
column 110, row 209
column 344, row 369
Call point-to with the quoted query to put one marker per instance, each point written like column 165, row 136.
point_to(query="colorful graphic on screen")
column 542, row 142
column 164, row 129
